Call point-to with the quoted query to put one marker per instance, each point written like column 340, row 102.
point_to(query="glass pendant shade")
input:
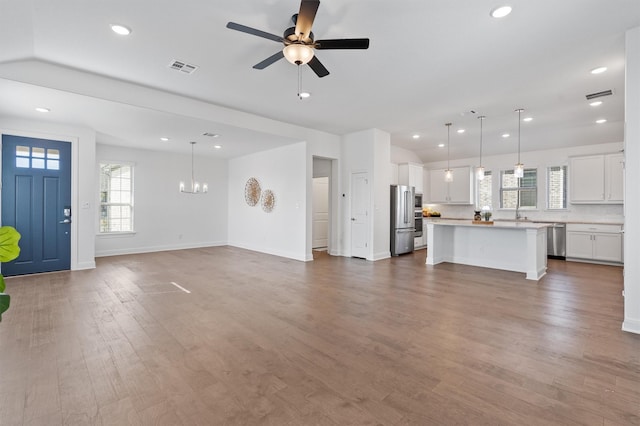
column 518, row 170
column 480, row 173
column 448, row 175
column 298, row 54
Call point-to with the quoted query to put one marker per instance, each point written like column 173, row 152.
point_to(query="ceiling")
column 429, row 62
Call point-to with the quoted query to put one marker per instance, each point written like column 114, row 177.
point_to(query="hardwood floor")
column 266, row 340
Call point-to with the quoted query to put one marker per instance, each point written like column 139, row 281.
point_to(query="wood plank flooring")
column 338, row 341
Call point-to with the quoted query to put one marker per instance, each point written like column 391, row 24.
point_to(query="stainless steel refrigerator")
column 402, row 219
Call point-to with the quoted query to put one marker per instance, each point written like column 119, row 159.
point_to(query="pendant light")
column 195, row 185
column 518, row 170
column 448, row 174
column 480, row 169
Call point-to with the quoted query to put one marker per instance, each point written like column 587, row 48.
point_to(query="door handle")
column 65, row 221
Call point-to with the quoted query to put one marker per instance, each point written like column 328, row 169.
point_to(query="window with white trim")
column 116, row 198
column 483, row 191
column 519, row 192
column 557, row 188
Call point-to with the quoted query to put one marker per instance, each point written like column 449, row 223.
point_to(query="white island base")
column 511, row 246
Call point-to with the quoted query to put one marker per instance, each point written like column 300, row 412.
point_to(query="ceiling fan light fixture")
column 298, row 53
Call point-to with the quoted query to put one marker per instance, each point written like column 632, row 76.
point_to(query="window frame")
column 565, row 200
column 487, row 174
column 519, row 190
column 130, row 204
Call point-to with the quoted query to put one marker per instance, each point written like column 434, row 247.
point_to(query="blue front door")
column 36, row 200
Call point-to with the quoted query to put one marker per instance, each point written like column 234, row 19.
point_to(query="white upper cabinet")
column 411, row 174
column 615, row 178
column 458, row 191
column 597, row 179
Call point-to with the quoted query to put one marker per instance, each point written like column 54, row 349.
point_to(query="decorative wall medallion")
column 268, row 201
column 252, row 191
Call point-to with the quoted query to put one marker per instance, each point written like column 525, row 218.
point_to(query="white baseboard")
column 280, row 253
column 381, row 255
column 632, row 326
column 152, row 249
column 84, row 265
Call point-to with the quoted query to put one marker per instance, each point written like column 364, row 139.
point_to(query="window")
column 518, row 192
column 116, row 197
column 37, row 158
column 484, row 192
column 557, row 188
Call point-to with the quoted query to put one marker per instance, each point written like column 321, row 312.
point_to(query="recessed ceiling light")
column 602, row 120
column 416, row 136
column 596, row 103
column 164, row 139
column 43, row 109
column 440, row 145
column 505, row 135
column 304, row 95
column 598, row 70
column 501, row 12
column 217, row 146
column 120, row 29
column 527, row 119
column 460, row 130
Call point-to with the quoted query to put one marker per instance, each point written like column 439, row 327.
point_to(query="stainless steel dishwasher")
column 557, row 241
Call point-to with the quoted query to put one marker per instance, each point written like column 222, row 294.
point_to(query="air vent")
column 183, row 67
column 599, row 94
column 211, row 135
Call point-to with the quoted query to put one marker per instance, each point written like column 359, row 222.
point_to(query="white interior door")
column 360, row 198
column 320, row 228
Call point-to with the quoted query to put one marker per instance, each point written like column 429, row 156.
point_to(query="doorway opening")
column 321, row 206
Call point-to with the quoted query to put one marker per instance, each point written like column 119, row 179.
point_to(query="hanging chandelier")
column 195, row 185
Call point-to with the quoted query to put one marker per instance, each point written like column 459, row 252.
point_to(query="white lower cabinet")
column 600, row 243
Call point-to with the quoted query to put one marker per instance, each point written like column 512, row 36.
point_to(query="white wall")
column 281, row 232
column 83, row 192
column 632, row 177
column 401, row 155
column 164, row 218
column 541, row 160
column 381, row 195
column 367, row 151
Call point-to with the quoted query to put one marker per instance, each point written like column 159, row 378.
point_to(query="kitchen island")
column 511, row 246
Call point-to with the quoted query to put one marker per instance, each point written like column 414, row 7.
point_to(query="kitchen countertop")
column 496, row 224
column 527, row 220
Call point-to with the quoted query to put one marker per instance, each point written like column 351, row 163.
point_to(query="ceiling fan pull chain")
column 299, row 83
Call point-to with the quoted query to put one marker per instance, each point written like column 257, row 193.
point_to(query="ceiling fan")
column 298, row 41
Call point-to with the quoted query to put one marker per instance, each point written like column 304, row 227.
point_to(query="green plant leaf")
column 2, row 284
column 9, row 248
column 5, row 300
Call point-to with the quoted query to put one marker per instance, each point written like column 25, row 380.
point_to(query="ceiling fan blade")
column 271, row 59
column 317, row 67
column 253, row 31
column 307, row 14
column 342, row 43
